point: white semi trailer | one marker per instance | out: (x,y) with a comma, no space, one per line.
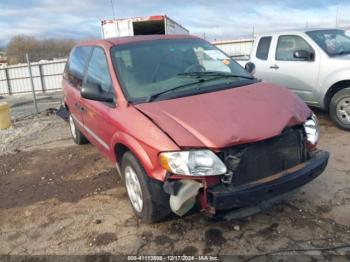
(148,25)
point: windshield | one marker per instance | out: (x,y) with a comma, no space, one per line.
(333,42)
(164,69)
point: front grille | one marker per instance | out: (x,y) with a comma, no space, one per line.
(261,159)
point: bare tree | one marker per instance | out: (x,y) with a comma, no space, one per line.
(46,49)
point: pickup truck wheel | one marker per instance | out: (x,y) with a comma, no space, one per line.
(77,136)
(148,200)
(340,109)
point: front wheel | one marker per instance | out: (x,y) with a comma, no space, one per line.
(340,109)
(148,200)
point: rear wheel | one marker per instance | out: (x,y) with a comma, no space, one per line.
(148,200)
(77,136)
(340,109)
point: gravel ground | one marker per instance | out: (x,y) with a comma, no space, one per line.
(58,198)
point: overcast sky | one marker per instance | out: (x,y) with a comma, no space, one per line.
(217,19)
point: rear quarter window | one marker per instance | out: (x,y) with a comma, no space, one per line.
(75,68)
(262,51)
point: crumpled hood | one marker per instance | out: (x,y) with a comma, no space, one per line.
(229,117)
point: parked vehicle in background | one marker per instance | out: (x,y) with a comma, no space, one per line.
(314,64)
(148,25)
(186,124)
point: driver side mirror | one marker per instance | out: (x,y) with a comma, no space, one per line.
(304,55)
(250,67)
(93,91)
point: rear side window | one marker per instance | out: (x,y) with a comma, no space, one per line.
(262,52)
(98,72)
(74,71)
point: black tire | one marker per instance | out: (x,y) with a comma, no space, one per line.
(77,136)
(155,200)
(337,100)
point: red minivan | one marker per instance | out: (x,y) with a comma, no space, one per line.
(187,126)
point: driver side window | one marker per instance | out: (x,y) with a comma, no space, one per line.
(98,71)
(288,44)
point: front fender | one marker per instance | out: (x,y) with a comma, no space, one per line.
(146,154)
(332,79)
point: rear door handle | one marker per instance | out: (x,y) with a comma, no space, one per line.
(274,67)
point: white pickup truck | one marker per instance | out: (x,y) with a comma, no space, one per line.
(314,64)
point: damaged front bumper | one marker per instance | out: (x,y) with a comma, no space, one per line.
(224,197)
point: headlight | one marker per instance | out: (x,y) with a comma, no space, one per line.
(311,130)
(192,163)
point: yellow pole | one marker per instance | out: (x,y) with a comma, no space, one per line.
(5,119)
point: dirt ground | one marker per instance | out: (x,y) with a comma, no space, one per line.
(58,198)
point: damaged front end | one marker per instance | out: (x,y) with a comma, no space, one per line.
(189,171)
(243,175)
(185,197)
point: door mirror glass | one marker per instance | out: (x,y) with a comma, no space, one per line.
(93,91)
(303,54)
(250,67)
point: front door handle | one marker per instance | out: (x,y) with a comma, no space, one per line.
(274,66)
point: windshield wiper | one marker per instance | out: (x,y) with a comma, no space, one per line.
(199,76)
(155,95)
(342,53)
(213,73)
